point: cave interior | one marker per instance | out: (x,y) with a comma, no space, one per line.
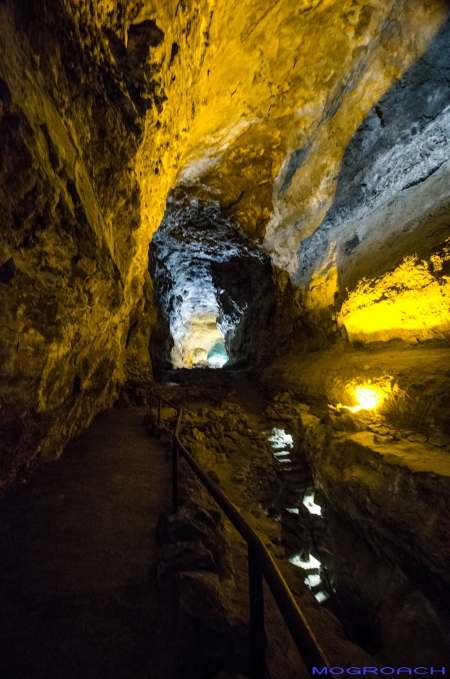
(248,202)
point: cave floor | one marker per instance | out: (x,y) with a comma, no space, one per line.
(378,611)
(78,597)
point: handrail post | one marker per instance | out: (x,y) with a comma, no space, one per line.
(260,566)
(256,600)
(175,473)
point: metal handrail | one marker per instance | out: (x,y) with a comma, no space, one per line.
(186,389)
(161,399)
(260,564)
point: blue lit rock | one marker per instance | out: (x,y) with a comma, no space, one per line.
(108,107)
(213,285)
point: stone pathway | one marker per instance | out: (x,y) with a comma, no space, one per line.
(78,598)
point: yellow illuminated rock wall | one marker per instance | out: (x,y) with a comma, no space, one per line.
(287,77)
(412,303)
(273,121)
(106,105)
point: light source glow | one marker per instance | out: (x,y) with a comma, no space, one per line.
(217,361)
(368,396)
(197,339)
(217,356)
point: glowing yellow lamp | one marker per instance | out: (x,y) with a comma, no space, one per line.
(368,398)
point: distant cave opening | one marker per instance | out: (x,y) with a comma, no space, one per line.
(214,290)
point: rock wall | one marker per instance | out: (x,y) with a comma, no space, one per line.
(392,494)
(105,106)
(390,213)
(213,284)
(334,154)
(416,378)
(70,212)
(83,133)
(381,526)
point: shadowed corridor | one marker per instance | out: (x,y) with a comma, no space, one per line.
(78,591)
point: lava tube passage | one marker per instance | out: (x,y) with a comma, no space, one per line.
(213,288)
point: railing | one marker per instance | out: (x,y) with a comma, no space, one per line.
(260,565)
(188,397)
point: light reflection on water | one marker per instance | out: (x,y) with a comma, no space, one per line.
(307,564)
(282,443)
(310,505)
(280,440)
(313,580)
(322,595)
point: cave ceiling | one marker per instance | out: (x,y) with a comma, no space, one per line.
(319,127)
(308,123)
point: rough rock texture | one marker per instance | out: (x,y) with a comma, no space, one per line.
(379,530)
(182,556)
(213,619)
(280,99)
(80,89)
(401,142)
(394,495)
(105,106)
(381,606)
(417,399)
(354,179)
(390,212)
(213,610)
(65,181)
(401,491)
(213,285)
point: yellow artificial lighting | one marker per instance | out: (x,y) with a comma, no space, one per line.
(368,396)
(411,302)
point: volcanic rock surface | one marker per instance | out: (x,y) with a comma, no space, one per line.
(214,287)
(188,182)
(319,128)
